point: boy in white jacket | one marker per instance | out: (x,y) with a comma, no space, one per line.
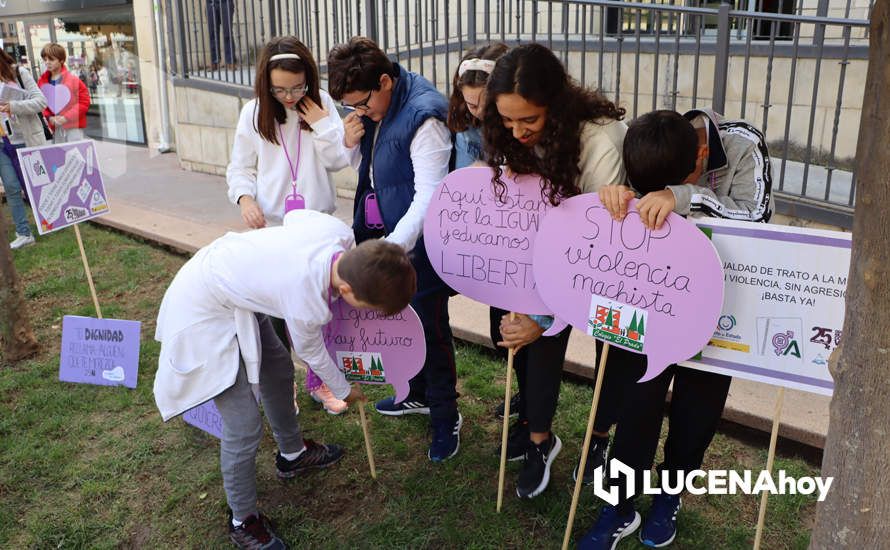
(214,320)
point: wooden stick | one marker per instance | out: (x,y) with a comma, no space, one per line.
(508,390)
(86,268)
(364,419)
(587,437)
(774,435)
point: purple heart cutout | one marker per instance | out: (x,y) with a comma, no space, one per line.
(57,97)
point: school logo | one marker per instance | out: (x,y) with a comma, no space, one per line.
(619,324)
(726,323)
(724,337)
(361,366)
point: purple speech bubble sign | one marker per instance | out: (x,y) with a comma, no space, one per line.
(205,417)
(482,246)
(57,97)
(104,352)
(372,348)
(653,292)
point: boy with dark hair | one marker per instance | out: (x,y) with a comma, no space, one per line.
(398,142)
(217,341)
(697,164)
(70,120)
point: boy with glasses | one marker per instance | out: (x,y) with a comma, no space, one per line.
(398,142)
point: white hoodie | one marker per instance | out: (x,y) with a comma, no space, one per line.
(260,169)
(206,321)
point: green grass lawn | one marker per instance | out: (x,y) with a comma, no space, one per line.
(94,467)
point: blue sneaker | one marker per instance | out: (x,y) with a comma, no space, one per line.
(660,528)
(389,407)
(446,439)
(609,529)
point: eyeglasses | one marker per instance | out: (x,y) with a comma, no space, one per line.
(361,105)
(295,92)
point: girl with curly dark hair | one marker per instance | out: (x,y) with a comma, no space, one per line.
(538,120)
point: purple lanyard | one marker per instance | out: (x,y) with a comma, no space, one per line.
(294,201)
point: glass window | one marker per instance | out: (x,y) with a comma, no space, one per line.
(102,53)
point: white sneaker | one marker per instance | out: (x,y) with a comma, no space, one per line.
(21,241)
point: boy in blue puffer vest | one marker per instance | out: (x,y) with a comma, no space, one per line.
(401,147)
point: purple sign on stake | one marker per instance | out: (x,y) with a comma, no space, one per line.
(64,183)
(480,244)
(372,348)
(653,292)
(104,352)
(205,417)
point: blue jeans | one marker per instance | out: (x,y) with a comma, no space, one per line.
(13,188)
(220,14)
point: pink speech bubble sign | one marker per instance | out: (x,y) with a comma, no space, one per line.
(482,246)
(57,97)
(654,292)
(372,348)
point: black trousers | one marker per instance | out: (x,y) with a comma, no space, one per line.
(623,369)
(696,407)
(538,369)
(436,383)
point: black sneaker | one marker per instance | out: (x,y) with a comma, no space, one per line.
(596,457)
(517,441)
(389,407)
(255,534)
(315,456)
(535,474)
(514,407)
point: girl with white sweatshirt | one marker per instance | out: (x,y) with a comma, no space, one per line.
(288,141)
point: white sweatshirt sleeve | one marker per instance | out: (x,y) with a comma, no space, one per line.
(354,154)
(430,152)
(308,343)
(328,142)
(242,170)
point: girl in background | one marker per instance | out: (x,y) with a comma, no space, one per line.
(465,110)
(288,141)
(468,99)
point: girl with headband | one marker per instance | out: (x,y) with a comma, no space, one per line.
(288,140)
(467,100)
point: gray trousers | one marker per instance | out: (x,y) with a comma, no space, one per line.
(243,424)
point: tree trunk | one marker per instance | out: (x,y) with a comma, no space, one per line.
(16,338)
(856,512)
